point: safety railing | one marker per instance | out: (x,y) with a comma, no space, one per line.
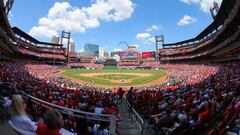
(135,116)
(75,113)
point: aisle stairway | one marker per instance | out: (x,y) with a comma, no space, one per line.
(125,127)
(5,129)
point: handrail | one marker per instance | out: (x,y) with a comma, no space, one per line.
(134,113)
(60,107)
(86,115)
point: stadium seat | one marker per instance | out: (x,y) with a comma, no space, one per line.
(213,132)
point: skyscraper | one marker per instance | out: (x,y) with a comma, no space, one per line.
(91,50)
(103,53)
(72,47)
(55,40)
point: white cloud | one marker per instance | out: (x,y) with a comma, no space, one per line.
(123,9)
(117,50)
(81,50)
(63,16)
(142,36)
(186,20)
(156,27)
(136,45)
(146,37)
(151,40)
(10,15)
(205,5)
(153,27)
(190,1)
(42,32)
(65,41)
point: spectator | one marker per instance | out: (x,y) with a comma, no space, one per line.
(101,129)
(53,122)
(20,119)
(82,127)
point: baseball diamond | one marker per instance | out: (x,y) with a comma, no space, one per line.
(116,78)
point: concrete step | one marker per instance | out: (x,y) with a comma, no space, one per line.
(125,127)
(5,129)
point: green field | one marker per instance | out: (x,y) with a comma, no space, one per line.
(110,67)
(114,77)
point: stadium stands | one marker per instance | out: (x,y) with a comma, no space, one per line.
(205,94)
(150,64)
(198,94)
(47,86)
(27,45)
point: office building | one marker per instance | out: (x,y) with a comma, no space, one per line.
(71,47)
(91,50)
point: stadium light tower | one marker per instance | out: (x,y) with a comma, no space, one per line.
(158,39)
(66,35)
(214,9)
(8,5)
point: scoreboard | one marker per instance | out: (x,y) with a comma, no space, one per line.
(148,55)
(129,55)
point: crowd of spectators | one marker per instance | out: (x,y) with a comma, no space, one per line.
(151,64)
(126,67)
(87,65)
(186,49)
(42,55)
(206,92)
(52,50)
(25,44)
(42,82)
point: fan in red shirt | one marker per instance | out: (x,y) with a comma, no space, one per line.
(120,92)
(206,115)
(53,122)
(44,130)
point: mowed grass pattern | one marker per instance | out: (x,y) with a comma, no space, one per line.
(136,80)
(116,76)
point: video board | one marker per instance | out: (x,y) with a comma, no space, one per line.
(129,55)
(147,55)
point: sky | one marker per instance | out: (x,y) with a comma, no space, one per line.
(108,22)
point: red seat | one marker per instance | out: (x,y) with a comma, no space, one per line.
(223,131)
(233,118)
(221,125)
(213,132)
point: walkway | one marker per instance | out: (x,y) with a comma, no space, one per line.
(5,129)
(125,127)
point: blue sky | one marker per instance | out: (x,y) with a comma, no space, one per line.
(108,22)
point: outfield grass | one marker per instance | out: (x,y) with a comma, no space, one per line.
(110,67)
(105,79)
(116,76)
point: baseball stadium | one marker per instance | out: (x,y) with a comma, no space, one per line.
(189,86)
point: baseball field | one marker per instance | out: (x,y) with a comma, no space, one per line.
(116,78)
